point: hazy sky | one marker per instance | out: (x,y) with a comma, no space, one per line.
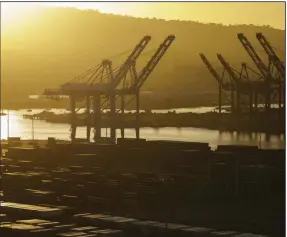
(257,13)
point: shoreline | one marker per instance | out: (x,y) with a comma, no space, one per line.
(260,123)
(146,104)
(127,109)
(43,143)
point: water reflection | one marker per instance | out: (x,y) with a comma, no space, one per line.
(20,127)
(257,139)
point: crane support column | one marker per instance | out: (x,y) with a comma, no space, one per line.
(73,118)
(122,117)
(219,98)
(137,114)
(268,95)
(113,117)
(238,101)
(280,94)
(88,102)
(255,101)
(267,102)
(97,116)
(283,94)
(251,101)
(232,100)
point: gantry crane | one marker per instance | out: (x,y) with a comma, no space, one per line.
(118,77)
(96,87)
(142,76)
(271,84)
(273,58)
(221,84)
(241,87)
(138,79)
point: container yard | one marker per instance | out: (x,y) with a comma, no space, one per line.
(142,188)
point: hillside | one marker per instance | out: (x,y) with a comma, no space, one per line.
(57,44)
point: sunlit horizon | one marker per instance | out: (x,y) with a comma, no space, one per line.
(205,12)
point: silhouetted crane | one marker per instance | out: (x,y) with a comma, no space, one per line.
(211,69)
(104,81)
(147,70)
(221,85)
(272,84)
(271,54)
(92,84)
(253,54)
(229,70)
(130,61)
(241,86)
(140,79)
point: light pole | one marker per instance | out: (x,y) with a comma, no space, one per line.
(8,119)
(32,128)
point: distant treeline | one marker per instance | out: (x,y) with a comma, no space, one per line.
(57,44)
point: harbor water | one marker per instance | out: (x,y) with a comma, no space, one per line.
(13,125)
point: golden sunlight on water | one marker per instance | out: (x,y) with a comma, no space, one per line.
(40,130)
(10,125)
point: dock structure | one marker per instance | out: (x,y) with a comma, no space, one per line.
(101,86)
(248,88)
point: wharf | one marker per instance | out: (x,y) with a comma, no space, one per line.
(259,122)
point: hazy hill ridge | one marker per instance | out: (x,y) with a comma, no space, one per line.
(57,44)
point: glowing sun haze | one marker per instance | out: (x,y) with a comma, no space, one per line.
(12,11)
(257,13)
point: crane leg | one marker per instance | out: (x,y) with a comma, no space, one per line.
(97,116)
(238,101)
(280,95)
(123,112)
(137,115)
(88,118)
(251,102)
(267,101)
(73,118)
(113,119)
(219,98)
(232,101)
(255,101)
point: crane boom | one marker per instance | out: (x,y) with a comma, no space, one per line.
(144,74)
(228,68)
(211,69)
(252,53)
(271,53)
(130,60)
